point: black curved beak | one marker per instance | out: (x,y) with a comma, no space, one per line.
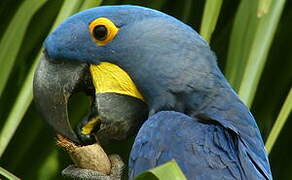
(55,81)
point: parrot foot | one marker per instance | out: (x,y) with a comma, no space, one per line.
(116,173)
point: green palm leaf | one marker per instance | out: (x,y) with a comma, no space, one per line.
(167,171)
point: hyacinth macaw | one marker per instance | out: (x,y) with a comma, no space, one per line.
(148,72)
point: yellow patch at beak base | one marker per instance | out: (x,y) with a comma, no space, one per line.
(109,77)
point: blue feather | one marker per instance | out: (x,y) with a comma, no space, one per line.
(202,150)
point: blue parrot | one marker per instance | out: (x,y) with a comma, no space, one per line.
(194,116)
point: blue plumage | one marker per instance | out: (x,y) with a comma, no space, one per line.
(202,150)
(202,147)
(195,116)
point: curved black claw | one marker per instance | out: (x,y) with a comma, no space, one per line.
(118,166)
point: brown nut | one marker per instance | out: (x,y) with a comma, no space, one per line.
(86,157)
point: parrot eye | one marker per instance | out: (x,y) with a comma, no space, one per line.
(103,30)
(100,32)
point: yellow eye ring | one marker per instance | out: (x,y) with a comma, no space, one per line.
(103,30)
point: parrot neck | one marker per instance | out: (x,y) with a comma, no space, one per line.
(217,101)
(222,105)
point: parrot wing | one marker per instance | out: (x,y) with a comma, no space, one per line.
(202,150)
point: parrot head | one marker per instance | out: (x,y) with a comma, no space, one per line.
(133,62)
